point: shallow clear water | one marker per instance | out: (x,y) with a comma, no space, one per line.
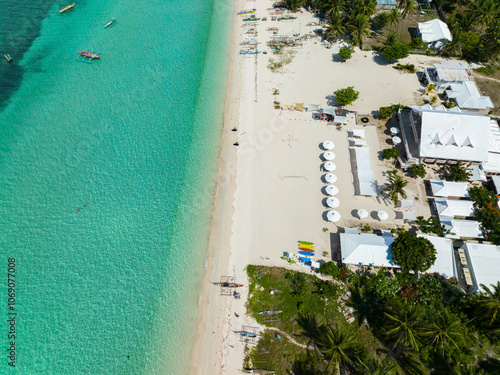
(111,288)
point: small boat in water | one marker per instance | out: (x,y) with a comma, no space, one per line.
(8,58)
(246,11)
(88,56)
(109,23)
(66,8)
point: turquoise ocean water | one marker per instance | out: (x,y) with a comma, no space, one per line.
(111,288)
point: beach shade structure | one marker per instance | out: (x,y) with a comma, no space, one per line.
(299,107)
(394,130)
(332,190)
(362,213)
(329,155)
(333,216)
(396,140)
(329,166)
(382,215)
(328,145)
(330,178)
(332,202)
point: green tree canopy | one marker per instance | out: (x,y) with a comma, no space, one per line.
(399,50)
(346,96)
(345,53)
(482,196)
(459,171)
(413,253)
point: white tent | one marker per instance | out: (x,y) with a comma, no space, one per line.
(449,189)
(330,178)
(463,228)
(406,203)
(328,110)
(331,190)
(312,107)
(382,215)
(364,172)
(449,208)
(360,142)
(362,213)
(410,215)
(328,145)
(359,133)
(329,155)
(332,202)
(333,216)
(329,166)
(366,249)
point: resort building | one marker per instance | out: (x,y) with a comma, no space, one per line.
(434,32)
(448,209)
(442,74)
(386,4)
(444,136)
(492,166)
(466,95)
(479,264)
(441,188)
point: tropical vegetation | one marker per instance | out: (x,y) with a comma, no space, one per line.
(346,96)
(394,188)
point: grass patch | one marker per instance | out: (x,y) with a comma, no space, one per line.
(283,58)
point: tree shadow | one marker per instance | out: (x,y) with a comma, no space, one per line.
(309,324)
(330,100)
(380,59)
(366,306)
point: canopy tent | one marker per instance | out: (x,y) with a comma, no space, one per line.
(331,190)
(333,216)
(382,215)
(364,172)
(359,133)
(329,166)
(328,155)
(330,178)
(362,213)
(328,145)
(312,107)
(449,208)
(340,119)
(449,189)
(410,215)
(299,107)
(366,249)
(463,228)
(351,230)
(406,203)
(359,142)
(332,202)
(328,110)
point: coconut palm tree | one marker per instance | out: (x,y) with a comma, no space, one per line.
(402,325)
(444,331)
(394,187)
(491,40)
(335,27)
(489,304)
(407,6)
(455,46)
(360,26)
(335,344)
(394,17)
(336,6)
(389,41)
(366,7)
(375,366)
(485,11)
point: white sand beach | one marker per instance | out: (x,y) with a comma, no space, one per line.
(271,192)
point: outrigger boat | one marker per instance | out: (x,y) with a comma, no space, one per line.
(249,51)
(246,11)
(251,19)
(66,8)
(285,18)
(88,56)
(251,42)
(231,285)
(246,334)
(110,23)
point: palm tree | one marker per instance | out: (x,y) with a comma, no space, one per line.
(366,7)
(394,187)
(316,5)
(335,27)
(489,304)
(403,324)
(444,331)
(486,11)
(375,366)
(335,345)
(455,46)
(389,41)
(360,26)
(336,6)
(394,17)
(407,6)
(491,40)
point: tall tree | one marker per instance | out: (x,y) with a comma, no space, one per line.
(407,7)
(335,345)
(390,41)
(394,187)
(336,6)
(444,332)
(485,11)
(394,17)
(360,27)
(411,252)
(402,324)
(366,7)
(491,40)
(489,304)
(335,27)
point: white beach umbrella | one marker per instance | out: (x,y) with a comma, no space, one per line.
(330,178)
(362,213)
(328,145)
(331,190)
(396,140)
(333,216)
(329,155)
(382,215)
(394,130)
(329,166)
(332,202)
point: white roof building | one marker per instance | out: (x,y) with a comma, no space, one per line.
(366,249)
(466,95)
(449,189)
(463,228)
(453,134)
(493,163)
(434,32)
(445,260)
(484,263)
(449,208)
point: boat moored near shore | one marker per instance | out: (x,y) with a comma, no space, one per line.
(66,8)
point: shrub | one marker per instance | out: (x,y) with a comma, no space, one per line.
(393,230)
(482,196)
(417,43)
(345,53)
(386,112)
(410,68)
(418,170)
(346,96)
(399,51)
(459,172)
(390,153)
(367,228)
(330,269)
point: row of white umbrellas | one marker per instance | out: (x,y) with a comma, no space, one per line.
(382,215)
(332,202)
